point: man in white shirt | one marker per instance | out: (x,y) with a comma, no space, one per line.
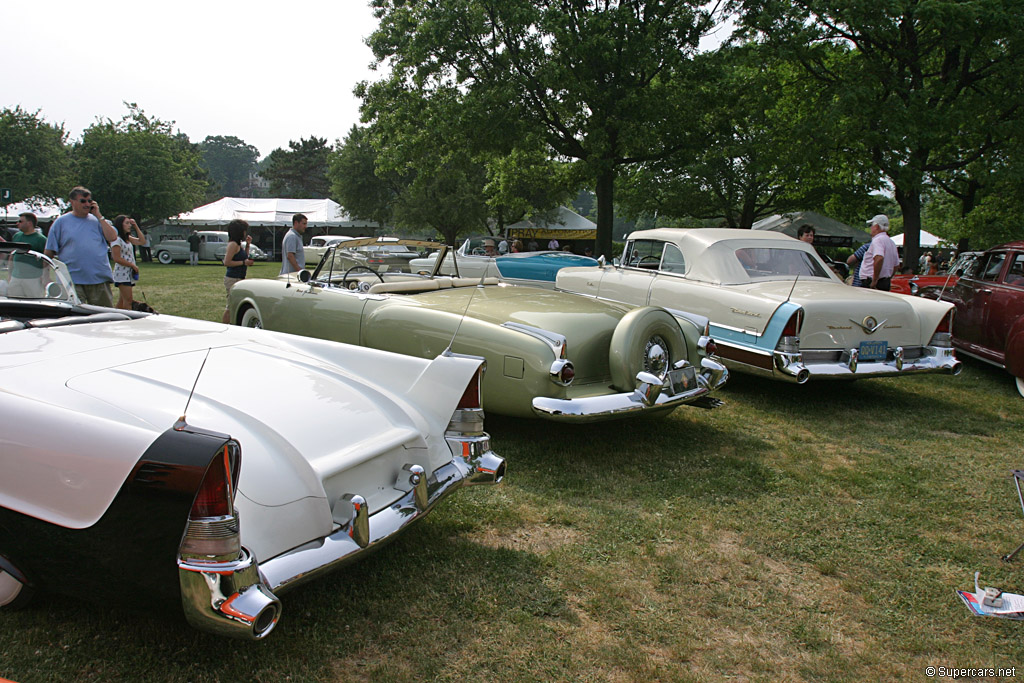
(881,259)
(293,254)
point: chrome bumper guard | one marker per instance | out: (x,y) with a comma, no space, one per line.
(238,598)
(651,393)
(847,364)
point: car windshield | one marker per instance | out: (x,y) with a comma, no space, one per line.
(27,274)
(767,263)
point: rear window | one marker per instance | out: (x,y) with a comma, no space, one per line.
(768,263)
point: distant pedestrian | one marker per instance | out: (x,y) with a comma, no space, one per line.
(532,246)
(193,248)
(806,233)
(236,259)
(881,259)
(854,262)
(80,238)
(293,255)
(553,244)
(144,249)
(27,272)
(503,246)
(126,272)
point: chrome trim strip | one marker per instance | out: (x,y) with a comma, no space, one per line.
(553,339)
(612,406)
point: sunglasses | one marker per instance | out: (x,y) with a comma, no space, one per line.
(85,200)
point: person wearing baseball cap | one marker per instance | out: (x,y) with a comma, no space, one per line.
(881,259)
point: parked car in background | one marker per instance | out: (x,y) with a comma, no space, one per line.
(535,268)
(213,245)
(549,354)
(916,285)
(989,300)
(318,245)
(775,307)
(144,462)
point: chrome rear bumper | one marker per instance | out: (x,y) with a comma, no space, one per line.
(648,396)
(238,598)
(801,367)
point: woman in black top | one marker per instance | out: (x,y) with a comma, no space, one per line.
(236,260)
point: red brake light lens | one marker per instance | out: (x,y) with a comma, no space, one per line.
(795,323)
(216,492)
(946,324)
(471,396)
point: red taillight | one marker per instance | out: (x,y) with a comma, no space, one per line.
(946,324)
(795,323)
(471,396)
(567,374)
(565,350)
(215,493)
(711,348)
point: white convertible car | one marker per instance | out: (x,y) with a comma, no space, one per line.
(144,461)
(775,308)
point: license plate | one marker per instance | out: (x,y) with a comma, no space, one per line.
(682,379)
(873,350)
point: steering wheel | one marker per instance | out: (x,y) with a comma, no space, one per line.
(478,251)
(655,259)
(344,280)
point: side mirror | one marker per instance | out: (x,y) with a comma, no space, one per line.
(54,291)
(304,275)
(600,260)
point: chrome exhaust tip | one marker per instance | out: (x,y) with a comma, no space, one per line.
(803,376)
(486,468)
(956,368)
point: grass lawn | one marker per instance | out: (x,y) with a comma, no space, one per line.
(812,533)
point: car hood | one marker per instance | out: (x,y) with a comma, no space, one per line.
(94,397)
(835,314)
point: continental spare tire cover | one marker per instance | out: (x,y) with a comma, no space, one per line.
(647,339)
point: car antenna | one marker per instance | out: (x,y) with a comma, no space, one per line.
(790,295)
(480,285)
(180,424)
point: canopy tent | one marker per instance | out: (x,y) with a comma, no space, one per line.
(926,239)
(828,232)
(568,225)
(322,213)
(45,212)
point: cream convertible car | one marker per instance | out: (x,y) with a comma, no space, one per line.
(549,354)
(775,308)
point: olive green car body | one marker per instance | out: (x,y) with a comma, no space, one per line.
(524,334)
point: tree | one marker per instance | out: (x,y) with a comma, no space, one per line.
(926,86)
(352,170)
(34,162)
(139,166)
(760,112)
(603,82)
(230,161)
(300,171)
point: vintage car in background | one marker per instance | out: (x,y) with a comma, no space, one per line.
(549,354)
(917,285)
(534,268)
(144,462)
(318,245)
(989,300)
(213,245)
(775,308)
(383,254)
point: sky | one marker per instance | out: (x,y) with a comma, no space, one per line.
(265,72)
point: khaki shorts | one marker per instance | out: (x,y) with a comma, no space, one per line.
(97,295)
(28,288)
(229,282)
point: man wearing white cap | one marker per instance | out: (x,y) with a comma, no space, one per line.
(881,259)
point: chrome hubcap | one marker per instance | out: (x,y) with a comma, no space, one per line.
(656,359)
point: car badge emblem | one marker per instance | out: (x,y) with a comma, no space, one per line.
(869,324)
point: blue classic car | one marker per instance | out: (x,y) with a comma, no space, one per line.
(534,268)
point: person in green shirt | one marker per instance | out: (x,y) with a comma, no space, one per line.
(26,273)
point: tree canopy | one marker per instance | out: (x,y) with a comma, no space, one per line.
(140,166)
(229,161)
(604,84)
(300,171)
(34,162)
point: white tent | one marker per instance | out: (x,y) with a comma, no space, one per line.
(45,211)
(322,213)
(926,239)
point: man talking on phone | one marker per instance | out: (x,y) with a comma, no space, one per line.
(80,239)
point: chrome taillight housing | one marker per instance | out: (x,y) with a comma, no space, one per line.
(468,417)
(943,335)
(789,342)
(212,534)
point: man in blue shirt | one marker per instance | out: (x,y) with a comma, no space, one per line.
(80,239)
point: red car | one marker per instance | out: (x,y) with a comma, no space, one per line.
(917,285)
(989,320)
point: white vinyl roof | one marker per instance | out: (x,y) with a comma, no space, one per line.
(268,212)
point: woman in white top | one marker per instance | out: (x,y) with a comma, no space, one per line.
(123,252)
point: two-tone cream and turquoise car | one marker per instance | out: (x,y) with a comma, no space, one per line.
(549,354)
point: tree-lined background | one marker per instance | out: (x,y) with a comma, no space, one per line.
(490,111)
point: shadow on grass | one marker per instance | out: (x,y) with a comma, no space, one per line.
(417,601)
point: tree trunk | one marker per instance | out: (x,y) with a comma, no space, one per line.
(910,203)
(605,192)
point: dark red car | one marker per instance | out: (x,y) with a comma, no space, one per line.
(989,320)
